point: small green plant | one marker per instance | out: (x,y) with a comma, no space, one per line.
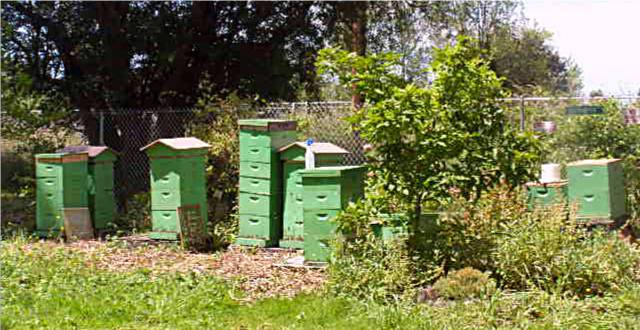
(137,216)
(465,283)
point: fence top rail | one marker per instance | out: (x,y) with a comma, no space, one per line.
(571,98)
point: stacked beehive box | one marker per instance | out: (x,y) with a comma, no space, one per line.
(597,187)
(260,200)
(99,183)
(61,182)
(326,191)
(292,156)
(178,187)
(546,194)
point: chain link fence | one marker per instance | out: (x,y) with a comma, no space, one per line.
(128,130)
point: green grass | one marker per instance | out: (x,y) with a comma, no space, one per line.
(60,289)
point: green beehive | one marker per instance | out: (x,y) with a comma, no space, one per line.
(326,191)
(292,156)
(260,200)
(99,183)
(546,194)
(597,187)
(178,188)
(61,182)
(393,226)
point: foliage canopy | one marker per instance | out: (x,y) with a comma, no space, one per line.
(447,135)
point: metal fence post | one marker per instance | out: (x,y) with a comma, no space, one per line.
(101,128)
(522,114)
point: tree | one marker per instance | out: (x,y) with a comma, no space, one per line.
(529,65)
(517,52)
(431,139)
(110,55)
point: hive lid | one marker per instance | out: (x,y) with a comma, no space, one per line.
(50,155)
(593,162)
(267,124)
(185,143)
(63,157)
(93,151)
(317,148)
(328,171)
(547,184)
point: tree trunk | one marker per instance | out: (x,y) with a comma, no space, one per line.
(358,41)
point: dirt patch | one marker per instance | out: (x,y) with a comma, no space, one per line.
(257,272)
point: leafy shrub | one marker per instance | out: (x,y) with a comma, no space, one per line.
(430,139)
(548,250)
(466,235)
(137,216)
(217,124)
(543,249)
(365,267)
(465,283)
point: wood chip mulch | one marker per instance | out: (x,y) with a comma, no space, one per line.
(259,273)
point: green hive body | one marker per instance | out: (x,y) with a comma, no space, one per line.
(178,187)
(260,200)
(292,156)
(597,187)
(99,183)
(546,194)
(61,181)
(326,191)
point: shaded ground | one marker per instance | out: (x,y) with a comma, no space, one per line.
(257,272)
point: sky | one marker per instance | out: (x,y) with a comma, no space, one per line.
(602,37)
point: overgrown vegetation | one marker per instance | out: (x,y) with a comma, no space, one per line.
(217,124)
(57,288)
(465,283)
(522,250)
(428,140)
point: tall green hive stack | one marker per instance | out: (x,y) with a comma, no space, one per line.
(260,200)
(61,182)
(326,191)
(178,187)
(99,183)
(597,187)
(292,157)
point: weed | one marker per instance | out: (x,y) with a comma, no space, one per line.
(465,283)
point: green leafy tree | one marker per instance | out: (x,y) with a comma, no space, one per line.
(530,65)
(430,140)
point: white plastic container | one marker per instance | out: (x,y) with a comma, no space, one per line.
(550,173)
(309,156)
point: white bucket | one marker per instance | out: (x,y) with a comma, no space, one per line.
(550,173)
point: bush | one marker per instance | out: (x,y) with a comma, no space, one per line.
(137,215)
(365,267)
(465,283)
(466,235)
(543,249)
(551,252)
(432,138)
(217,124)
